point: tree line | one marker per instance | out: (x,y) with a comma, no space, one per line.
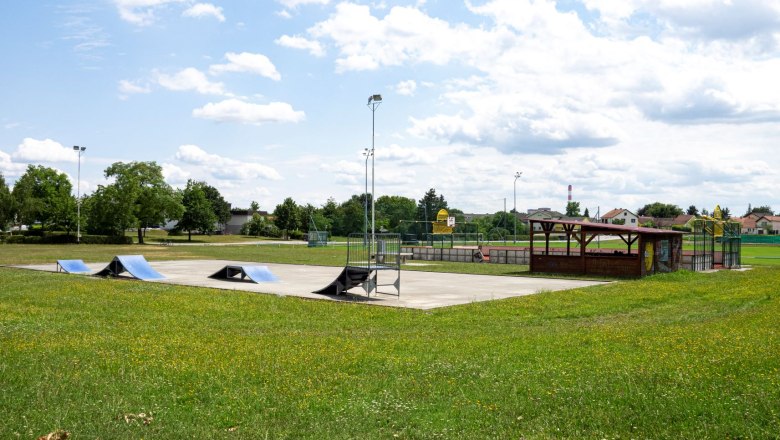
(140,198)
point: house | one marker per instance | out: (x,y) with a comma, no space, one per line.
(768,224)
(620,216)
(542,214)
(238,217)
(748,223)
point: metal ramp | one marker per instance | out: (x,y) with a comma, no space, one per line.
(135,265)
(367,256)
(350,277)
(72,266)
(255,274)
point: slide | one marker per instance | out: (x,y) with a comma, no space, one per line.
(135,265)
(72,266)
(256,274)
(350,277)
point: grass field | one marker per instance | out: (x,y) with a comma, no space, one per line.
(681,355)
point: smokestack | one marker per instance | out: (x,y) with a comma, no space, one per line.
(570,193)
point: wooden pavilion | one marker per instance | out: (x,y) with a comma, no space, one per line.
(644,251)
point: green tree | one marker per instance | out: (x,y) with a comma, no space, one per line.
(254,206)
(392,210)
(660,210)
(43,195)
(428,207)
(219,205)
(198,213)
(349,216)
(586,214)
(144,196)
(692,210)
(287,216)
(765,210)
(105,213)
(7,204)
(725,213)
(573,209)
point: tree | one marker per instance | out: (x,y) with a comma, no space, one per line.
(6,204)
(349,216)
(586,214)
(573,209)
(764,210)
(219,205)
(105,212)
(198,213)
(725,213)
(692,210)
(660,210)
(287,216)
(391,211)
(254,206)
(43,195)
(145,198)
(428,207)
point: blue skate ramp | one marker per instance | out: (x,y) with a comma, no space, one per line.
(256,274)
(135,265)
(72,266)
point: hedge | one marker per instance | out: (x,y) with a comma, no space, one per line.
(66,239)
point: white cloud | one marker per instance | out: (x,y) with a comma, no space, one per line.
(47,150)
(225,168)
(234,110)
(8,168)
(247,62)
(406,155)
(292,4)
(406,88)
(200,10)
(174,175)
(298,42)
(141,12)
(130,87)
(190,79)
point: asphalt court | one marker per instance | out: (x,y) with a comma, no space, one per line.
(419,290)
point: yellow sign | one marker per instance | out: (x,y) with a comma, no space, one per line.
(440,226)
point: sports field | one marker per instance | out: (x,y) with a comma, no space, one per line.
(682,355)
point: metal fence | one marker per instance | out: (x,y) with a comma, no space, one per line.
(703,245)
(382,254)
(731,243)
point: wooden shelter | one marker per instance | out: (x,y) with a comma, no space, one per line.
(644,251)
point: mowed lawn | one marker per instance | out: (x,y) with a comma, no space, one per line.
(682,355)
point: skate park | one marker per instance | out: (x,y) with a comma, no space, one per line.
(419,290)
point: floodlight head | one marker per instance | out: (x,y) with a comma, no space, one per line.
(374,98)
(518,174)
(75,148)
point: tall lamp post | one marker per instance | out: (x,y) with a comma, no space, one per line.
(78,195)
(367,153)
(373,103)
(517,176)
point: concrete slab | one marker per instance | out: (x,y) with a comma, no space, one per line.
(419,290)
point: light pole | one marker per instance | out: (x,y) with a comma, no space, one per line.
(517,176)
(78,195)
(373,103)
(367,153)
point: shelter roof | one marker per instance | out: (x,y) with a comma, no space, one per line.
(608,228)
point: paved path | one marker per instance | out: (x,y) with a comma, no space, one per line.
(419,290)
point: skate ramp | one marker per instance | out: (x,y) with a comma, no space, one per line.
(72,266)
(350,277)
(135,265)
(256,274)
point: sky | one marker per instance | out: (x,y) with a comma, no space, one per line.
(629,101)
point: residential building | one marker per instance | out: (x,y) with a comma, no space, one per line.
(620,216)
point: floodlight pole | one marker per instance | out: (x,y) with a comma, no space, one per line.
(517,176)
(373,103)
(78,195)
(367,153)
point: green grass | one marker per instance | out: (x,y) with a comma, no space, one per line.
(675,356)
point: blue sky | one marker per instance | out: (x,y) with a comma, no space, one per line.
(629,101)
